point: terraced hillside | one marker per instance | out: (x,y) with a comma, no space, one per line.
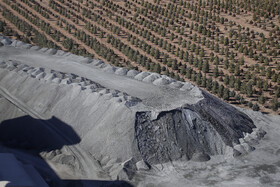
(230,48)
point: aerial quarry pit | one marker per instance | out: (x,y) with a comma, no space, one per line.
(78,121)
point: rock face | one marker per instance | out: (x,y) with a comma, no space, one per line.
(118,114)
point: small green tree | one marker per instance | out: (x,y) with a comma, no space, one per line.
(226,94)
(261,99)
(157,68)
(274,104)
(205,66)
(216,72)
(256,107)
(249,89)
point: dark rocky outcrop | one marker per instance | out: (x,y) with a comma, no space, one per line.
(207,127)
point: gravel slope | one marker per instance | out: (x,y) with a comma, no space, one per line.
(89,120)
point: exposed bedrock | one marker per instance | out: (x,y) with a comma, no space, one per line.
(208,127)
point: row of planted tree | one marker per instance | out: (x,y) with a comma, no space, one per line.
(198,41)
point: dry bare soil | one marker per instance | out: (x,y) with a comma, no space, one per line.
(229,49)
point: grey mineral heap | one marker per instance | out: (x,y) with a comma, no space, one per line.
(121,116)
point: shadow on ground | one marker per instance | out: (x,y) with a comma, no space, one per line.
(33,136)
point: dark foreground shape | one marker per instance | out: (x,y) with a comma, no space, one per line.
(36,134)
(33,136)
